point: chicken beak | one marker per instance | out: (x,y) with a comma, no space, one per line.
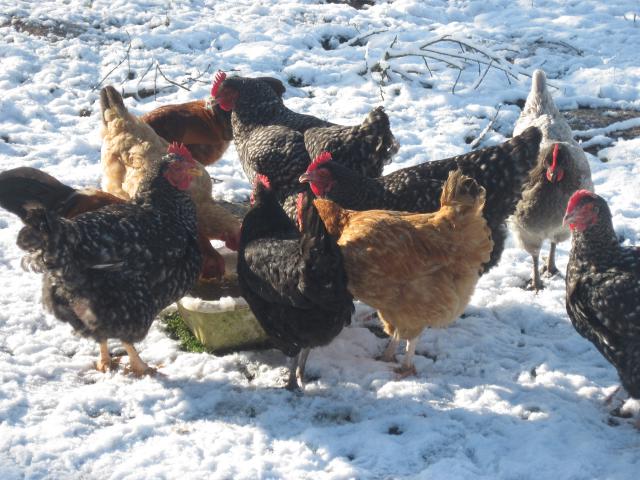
(306,177)
(195,172)
(569,218)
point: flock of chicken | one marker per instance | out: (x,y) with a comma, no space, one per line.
(325,226)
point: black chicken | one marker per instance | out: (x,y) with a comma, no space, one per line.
(603,287)
(109,272)
(276,142)
(501,170)
(294,282)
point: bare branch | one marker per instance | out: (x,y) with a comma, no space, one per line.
(453,89)
(486,129)
(357,40)
(179,85)
(479,81)
(424,59)
(125,58)
(452,51)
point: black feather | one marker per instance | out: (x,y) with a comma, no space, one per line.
(25,187)
(294,282)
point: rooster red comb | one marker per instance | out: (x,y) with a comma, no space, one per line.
(264,180)
(323,157)
(180,150)
(577,197)
(217,81)
(554,165)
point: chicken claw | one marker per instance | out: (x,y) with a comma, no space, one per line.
(295,383)
(212,267)
(389,354)
(404,371)
(408,368)
(106,362)
(136,365)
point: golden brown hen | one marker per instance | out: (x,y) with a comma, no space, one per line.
(130,147)
(417,270)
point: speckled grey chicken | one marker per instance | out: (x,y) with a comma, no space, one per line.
(539,213)
(294,282)
(603,287)
(276,142)
(562,169)
(110,271)
(501,170)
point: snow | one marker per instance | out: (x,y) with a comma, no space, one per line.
(510,391)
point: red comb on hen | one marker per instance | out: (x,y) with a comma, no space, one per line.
(264,180)
(577,197)
(180,150)
(322,157)
(217,81)
(554,164)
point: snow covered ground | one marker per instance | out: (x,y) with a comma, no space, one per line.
(511,391)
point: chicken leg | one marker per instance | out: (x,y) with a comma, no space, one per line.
(535,283)
(408,368)
(136,365)
(105,362)
(296,371)
(550,268)
(389,354)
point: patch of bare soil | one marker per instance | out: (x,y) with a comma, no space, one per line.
(590,118)
(357,4)
(49,28)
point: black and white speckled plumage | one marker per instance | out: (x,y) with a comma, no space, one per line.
(275,141)
(294,283)
(501,170)
(603,295)
(110,271)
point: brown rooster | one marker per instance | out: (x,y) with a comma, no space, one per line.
(417,270)
(130,147)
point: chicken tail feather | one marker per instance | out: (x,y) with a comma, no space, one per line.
(462,191)
(22,188)
(377,123)
(111,99)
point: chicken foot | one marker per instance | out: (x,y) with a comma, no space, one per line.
(550,268)
(535,283)
(296,371)
(136,365)
(407,368)
(389,354)
(105,362)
